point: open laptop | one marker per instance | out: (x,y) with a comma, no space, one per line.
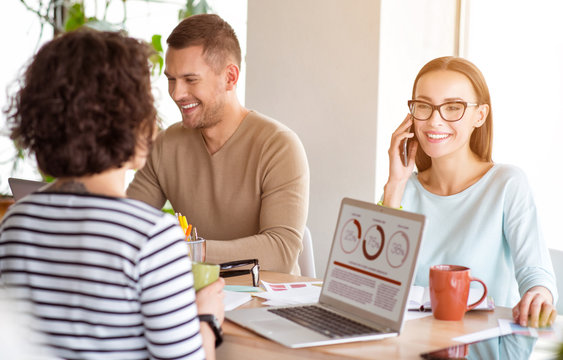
(367,282)
(22,187)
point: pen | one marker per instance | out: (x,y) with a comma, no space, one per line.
(178,216)
(183,222)
(189,231)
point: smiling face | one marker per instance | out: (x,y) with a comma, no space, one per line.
(437,137)
(195,87)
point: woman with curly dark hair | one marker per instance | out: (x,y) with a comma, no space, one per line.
(107,277)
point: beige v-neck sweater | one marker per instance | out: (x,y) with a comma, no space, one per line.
(249,200)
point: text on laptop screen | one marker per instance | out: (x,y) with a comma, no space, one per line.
(371,261)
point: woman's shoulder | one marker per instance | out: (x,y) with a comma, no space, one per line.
(507,172)
(129,212)
(152,222)
(508,179)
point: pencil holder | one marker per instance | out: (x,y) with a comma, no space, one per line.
(196,249)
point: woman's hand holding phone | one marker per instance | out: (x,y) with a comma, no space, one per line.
(403,150)
(399,171)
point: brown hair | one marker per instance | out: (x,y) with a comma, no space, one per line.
(481,142)
(85,103)
(217,37)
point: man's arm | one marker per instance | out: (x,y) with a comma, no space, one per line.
(145,186)
(283,213)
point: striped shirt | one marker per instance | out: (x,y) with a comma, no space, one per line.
(106,277)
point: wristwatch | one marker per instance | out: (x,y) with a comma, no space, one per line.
(214,324)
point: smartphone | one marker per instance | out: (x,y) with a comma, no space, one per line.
(405,151)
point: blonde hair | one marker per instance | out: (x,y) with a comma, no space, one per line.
(481,142)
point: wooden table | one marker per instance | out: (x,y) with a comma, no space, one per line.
(418,336)
(5,203)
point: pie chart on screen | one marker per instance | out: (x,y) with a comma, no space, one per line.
(374,239)
(398,249)
(350,236)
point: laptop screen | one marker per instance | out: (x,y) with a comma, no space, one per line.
(21,187)
(372,261)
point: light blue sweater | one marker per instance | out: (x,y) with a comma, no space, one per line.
(491,227)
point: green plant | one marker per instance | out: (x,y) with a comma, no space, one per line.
(192,8)
(67,15)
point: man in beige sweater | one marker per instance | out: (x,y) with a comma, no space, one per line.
(240,177)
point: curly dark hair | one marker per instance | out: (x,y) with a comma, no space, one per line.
(85,103)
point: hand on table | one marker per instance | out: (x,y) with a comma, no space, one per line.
(535,309)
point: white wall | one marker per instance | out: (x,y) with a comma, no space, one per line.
(412,33)
(313,65)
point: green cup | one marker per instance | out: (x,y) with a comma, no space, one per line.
(204,274)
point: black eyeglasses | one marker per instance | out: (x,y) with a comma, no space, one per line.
(449,111)
(254,270)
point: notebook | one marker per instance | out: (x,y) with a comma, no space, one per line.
(22,187)
(367,281)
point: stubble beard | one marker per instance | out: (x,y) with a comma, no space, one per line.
(209,118)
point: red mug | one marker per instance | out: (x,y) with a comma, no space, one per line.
(449,289)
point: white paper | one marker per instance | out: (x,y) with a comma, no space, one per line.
(234,299)
(508,326)
(480,335)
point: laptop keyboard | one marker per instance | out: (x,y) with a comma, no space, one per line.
(323,321)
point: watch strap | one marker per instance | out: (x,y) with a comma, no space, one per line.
(214,325)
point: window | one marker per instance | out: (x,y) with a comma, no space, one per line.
(519,48)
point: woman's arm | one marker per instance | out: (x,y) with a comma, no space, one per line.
(166,295)
(209,300)
(532,263)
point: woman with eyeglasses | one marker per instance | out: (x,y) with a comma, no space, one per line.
(480,214)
